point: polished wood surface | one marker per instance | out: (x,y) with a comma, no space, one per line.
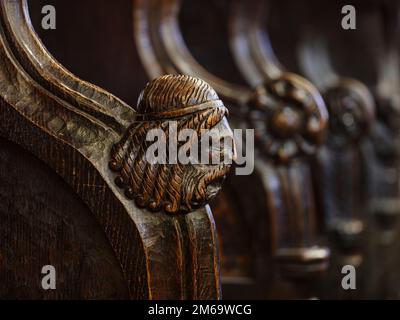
(323,102)
(71,126)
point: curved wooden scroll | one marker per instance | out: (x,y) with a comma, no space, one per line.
(250,43)
(256,60)
(72,126)
(350,106)
(351,116)
(162,49)
(352,111)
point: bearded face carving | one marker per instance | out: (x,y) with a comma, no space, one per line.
(174,187)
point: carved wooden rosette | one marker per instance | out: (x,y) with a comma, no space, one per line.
(71,125)
(290,118)
(351,111)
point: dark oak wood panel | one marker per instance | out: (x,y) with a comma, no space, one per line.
(45,223)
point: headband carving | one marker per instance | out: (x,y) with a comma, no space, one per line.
(179,113)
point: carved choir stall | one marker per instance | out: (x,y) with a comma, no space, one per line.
(318,189)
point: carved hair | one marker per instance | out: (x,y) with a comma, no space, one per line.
(172,187)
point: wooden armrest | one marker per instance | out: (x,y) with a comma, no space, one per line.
(295,216)
(351,110)
(154,218)
(349,103)
(283,135)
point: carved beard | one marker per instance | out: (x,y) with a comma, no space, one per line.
(201,184)
(172,187)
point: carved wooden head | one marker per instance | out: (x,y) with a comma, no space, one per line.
(351,111)
(191,104)
(289,119)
